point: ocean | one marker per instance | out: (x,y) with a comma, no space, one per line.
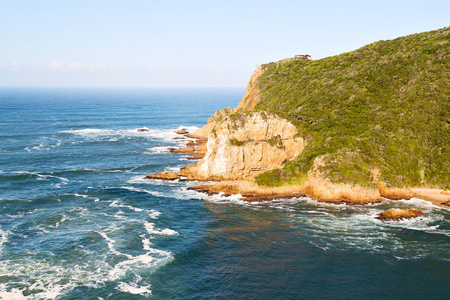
(78,221)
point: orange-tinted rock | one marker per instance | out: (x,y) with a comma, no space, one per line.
(182,131)
(250,191)
(182,150)
(446,193)
(251,96)
(245,145)
(166,175)
(394,193)
(399,214)
(142,130)
(324,191)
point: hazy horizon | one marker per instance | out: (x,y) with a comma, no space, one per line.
(198,44)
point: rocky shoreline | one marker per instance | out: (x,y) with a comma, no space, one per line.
(316,188)
(238,144)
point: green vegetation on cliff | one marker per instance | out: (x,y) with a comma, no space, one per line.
(385,106)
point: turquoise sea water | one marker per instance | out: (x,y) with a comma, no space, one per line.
(78,221)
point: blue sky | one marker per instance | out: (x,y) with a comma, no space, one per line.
(188,43)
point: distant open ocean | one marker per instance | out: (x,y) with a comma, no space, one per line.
(78,221)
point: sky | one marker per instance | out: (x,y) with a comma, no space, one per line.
(170,43)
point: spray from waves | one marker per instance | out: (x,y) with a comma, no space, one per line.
(49,279)
(38,175)
(115,203)
(157,150)
(102,134)
(3,238)
(150,227)
(45,146)
(339,226)
(133,288)
(134,189)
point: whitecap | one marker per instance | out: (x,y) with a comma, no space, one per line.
(115,203)
(13,294)
(154,214)
(133,288)
(131,188)
(150,227)
(157,150)
(3,238)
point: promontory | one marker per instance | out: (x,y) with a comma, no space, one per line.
(351,128)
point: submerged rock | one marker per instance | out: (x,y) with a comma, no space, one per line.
(399,214)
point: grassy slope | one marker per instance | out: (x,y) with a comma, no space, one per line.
(384,106)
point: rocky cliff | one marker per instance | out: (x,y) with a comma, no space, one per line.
(251,96)
(383,107)
(243,145)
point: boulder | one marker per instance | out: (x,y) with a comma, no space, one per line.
(399,214)
(166,175)
(182,131)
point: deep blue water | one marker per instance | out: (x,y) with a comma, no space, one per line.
(78,221)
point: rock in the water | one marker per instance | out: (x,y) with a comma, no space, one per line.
(166,175)
(143,129)
(399,214)
(182,131)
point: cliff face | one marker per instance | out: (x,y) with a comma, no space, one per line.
(244,145)
(251,96)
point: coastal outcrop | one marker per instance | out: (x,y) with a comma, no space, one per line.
(342,137)
(166,175)
(399,214)
(250,191)
(245,144)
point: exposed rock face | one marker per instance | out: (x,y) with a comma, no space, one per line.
(251,96)
(244,145)
(394,193)
(218,116)
(399,214)
(250,191)
(324,191)
(166,175)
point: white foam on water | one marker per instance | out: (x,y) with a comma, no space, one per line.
(167,134)
(87,197)
(157,150)
(139,179)
(150,227)
(45,279)
(3,238)
(133,288)
(115,203)
(154,214)
(173,169)
(186,194)
(45,177)
(134,189)
(45,147)
(63,219)
(111,247)
(420,203)
(13,294)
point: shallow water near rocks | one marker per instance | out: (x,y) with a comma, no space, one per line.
(78,221)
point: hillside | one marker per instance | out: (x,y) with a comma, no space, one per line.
(382,110)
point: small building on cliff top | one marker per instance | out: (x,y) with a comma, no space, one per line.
(303,56)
